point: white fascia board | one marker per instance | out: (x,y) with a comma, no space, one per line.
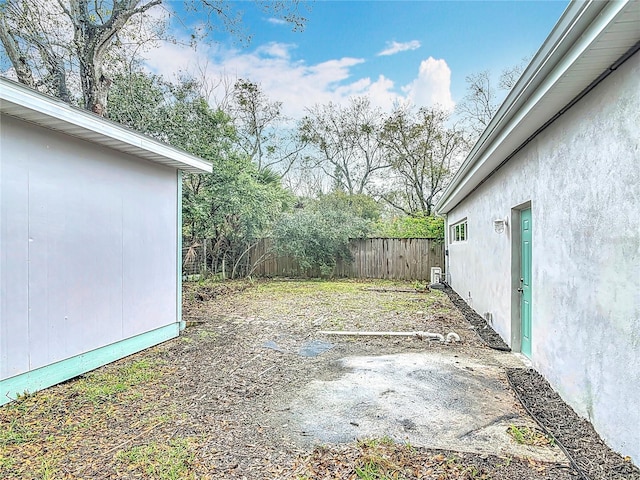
(21,102)
(579,26)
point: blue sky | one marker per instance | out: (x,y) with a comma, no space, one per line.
(389,50)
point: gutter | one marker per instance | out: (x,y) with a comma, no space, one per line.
(576,99)
(577,28)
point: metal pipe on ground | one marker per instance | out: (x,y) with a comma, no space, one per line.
(452,336)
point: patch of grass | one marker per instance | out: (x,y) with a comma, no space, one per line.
(373,471)
(48,469)
(404,306)
(304,287)
(100,385)
(207,335)
(6,462)
(374,442)
(529,436)
(382,459)
(377,459)
(161,461)
(15,432)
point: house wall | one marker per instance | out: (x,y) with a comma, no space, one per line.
(88,247)
(582,177)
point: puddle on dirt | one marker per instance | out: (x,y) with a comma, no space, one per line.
(433,400)
(314,348)
(271,345)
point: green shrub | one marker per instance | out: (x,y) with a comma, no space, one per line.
(410,227)
(318,237)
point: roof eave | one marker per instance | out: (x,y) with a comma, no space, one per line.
(577,28)
(19,101)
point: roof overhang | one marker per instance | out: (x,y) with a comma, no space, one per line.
(590,40)
(24,103)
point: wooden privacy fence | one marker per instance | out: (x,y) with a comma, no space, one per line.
(391,258)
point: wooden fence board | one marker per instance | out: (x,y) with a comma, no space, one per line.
(390,258)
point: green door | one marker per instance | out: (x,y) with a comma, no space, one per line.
(525,281)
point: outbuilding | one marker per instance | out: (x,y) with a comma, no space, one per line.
(543,230)
(90,240)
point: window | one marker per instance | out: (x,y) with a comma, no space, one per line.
(459,232)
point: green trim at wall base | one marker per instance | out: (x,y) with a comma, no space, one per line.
(55,373)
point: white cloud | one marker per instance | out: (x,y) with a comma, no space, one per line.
(274,49)
(277,21)
(397,47)
(297,84)
(433,85)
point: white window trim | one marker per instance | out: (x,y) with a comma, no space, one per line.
(459,231)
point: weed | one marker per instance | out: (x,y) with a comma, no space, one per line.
(374,442)
(371,471)
(48,469)
(21,397)
(529,436)
(160,461)
(15,433)
(419,286)
(207,334)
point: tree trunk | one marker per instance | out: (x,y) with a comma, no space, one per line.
(92,43)
(17,58)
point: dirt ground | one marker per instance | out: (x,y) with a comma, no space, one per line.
(206,405)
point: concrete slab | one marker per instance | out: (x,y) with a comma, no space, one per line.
(436,400)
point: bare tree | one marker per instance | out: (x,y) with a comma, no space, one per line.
(423,151)
(480,103)
(260,124)
(47,41)
(346,142)
(482,99)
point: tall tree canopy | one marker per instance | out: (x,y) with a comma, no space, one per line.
(261,129)
(69,47)
(345,142)
(423,151)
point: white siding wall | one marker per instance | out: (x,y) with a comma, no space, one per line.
(582,176)
(88,247)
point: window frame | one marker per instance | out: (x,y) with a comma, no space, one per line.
(459,231)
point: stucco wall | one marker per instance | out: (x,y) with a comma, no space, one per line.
(89,242)
(582,177)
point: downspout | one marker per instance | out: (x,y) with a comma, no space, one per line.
(447,275)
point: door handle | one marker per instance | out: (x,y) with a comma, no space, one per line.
(521,290)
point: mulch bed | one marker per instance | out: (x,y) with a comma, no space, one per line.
(375,459)
(482,328)
(590,456)
(574,434)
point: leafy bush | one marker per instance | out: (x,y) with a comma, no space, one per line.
(318,237)
(410,227)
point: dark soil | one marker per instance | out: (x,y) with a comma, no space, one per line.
(580,441)
(482,328)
